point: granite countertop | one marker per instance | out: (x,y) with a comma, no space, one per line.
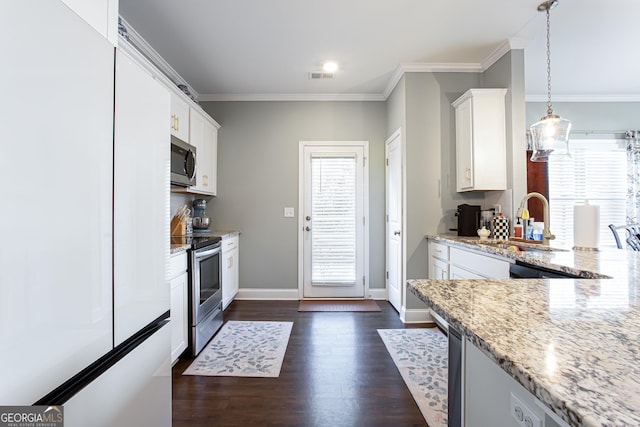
(573,343)
(225,234)
(176,248)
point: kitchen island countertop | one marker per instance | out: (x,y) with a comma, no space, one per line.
(573,343)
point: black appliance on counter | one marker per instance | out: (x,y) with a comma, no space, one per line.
(468,219)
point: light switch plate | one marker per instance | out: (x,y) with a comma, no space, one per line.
(289,212)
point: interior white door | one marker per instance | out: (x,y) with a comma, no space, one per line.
(333,220)
(394,231)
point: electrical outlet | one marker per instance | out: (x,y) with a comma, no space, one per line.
(289,212)
(523,415)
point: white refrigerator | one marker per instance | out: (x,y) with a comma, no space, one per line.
(84,181)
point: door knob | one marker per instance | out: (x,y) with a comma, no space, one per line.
(396,233)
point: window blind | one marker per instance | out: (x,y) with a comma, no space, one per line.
(596,171)
(333,207)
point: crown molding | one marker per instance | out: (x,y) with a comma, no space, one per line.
(291,97)
(584,98)
(135,39)
(510,44)
(427,67)
(149,54)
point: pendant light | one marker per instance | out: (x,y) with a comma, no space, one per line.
(551,133)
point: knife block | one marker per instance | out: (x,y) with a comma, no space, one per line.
(177,228)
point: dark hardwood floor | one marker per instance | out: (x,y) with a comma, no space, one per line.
(336,372)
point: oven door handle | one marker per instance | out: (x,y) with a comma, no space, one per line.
(207,253)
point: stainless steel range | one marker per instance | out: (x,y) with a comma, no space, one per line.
(205,291)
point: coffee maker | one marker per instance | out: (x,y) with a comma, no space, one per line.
(468,219)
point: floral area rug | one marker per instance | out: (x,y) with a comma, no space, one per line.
(421,356)
(244,349)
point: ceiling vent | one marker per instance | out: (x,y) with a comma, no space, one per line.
(320,75)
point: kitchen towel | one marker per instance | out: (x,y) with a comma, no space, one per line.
(586,226)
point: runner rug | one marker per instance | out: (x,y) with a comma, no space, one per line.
(244,349)
(421,356)
(338,305)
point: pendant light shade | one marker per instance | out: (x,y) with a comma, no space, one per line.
(550,135)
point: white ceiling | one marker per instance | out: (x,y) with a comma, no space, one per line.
(259,49)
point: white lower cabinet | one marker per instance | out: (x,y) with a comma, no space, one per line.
(230,258)
(438,261)
(179,320)
(457,273)
(453,262)
(438,269)
(493,398)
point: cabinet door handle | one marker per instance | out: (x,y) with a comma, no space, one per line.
(468,174)
(177,123)
(229,262)
(307,228)
(396,233)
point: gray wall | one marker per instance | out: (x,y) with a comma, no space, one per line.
(590,116)
(258,166)
(421,106)
(258,177)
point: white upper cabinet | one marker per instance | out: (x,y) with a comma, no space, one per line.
(481,158)
(211,136)
(102,15)
(179,117)
(203,134)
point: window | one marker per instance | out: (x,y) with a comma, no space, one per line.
(596,171)
(333,209)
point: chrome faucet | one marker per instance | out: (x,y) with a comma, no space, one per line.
(546,233)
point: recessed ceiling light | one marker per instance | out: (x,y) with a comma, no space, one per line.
(330,67)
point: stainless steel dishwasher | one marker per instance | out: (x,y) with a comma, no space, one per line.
(454,392)
(521,270)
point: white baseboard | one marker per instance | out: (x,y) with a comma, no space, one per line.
(267,294)
(378,294)
(415,315)
(291,294)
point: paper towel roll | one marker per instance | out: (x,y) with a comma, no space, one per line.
(586,226)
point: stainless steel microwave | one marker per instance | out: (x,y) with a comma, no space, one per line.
(183,163)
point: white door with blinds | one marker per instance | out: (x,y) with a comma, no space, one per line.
(333,219)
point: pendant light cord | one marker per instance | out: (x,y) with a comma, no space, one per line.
(549,108)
